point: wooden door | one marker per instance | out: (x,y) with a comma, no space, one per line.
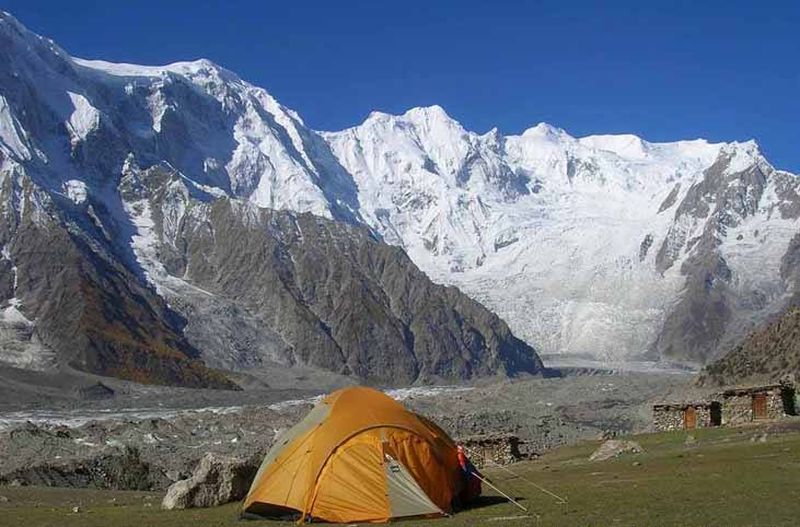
(690,418)
(760,406)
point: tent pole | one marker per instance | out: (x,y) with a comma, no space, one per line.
(561,500)
(506,496)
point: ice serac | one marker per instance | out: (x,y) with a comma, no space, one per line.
(607,246)
(162,223)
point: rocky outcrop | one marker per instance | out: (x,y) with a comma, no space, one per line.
(769,354)
(497,449)
(713,311)
(135,453)
(111,468)
(83,303)
(615,448)
(216,480)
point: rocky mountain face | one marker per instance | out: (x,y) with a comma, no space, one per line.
(769,354)
(603,246)
(163,224)
(330,294)
(69,299)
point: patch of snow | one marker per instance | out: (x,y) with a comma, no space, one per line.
(82,441)
(742,156)
(84,117)
(122,69)
(145,242)
(12,314)
(283,405)
(401,394)
(75,190)
(13,139)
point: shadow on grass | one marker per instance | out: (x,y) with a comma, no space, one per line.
(486,501)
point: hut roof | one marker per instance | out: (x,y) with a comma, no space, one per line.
(749,390)
(682,405)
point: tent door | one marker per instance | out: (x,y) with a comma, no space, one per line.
(406,498)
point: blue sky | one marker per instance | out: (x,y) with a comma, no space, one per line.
(663,70)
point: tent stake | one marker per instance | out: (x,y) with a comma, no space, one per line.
(506,496)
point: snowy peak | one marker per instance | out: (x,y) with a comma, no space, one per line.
(202,68)
(583,244)
(547,132)
(204,121)
(13,32)
(626,146)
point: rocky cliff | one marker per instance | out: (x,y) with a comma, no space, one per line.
(769,354)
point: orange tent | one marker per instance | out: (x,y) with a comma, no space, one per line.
(358,456)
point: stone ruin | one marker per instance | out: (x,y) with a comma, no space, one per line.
(500,449)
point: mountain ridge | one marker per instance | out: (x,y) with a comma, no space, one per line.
(160,189)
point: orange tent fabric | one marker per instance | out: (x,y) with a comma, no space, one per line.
(358,456)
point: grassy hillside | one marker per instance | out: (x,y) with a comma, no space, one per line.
(726,477)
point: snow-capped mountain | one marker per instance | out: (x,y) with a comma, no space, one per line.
(140,238)
(607,246)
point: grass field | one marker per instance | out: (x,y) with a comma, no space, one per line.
(724,478)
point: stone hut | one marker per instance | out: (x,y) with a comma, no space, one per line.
(744,405)
(686,416)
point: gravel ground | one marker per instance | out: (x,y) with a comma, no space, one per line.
(160,438)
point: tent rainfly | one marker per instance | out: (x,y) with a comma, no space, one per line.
(358,456)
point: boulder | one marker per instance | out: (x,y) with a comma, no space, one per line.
(96,391)
(217,480)
(613,448)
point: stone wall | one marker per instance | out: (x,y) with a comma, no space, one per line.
(499,449)
(738,408)
(670,417)
(775,405)
(667,419)
(731,407)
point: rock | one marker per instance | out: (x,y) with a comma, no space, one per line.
(613,448)
(216,480)
(76,509)
(95,391)
(497,449)
(108,468)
